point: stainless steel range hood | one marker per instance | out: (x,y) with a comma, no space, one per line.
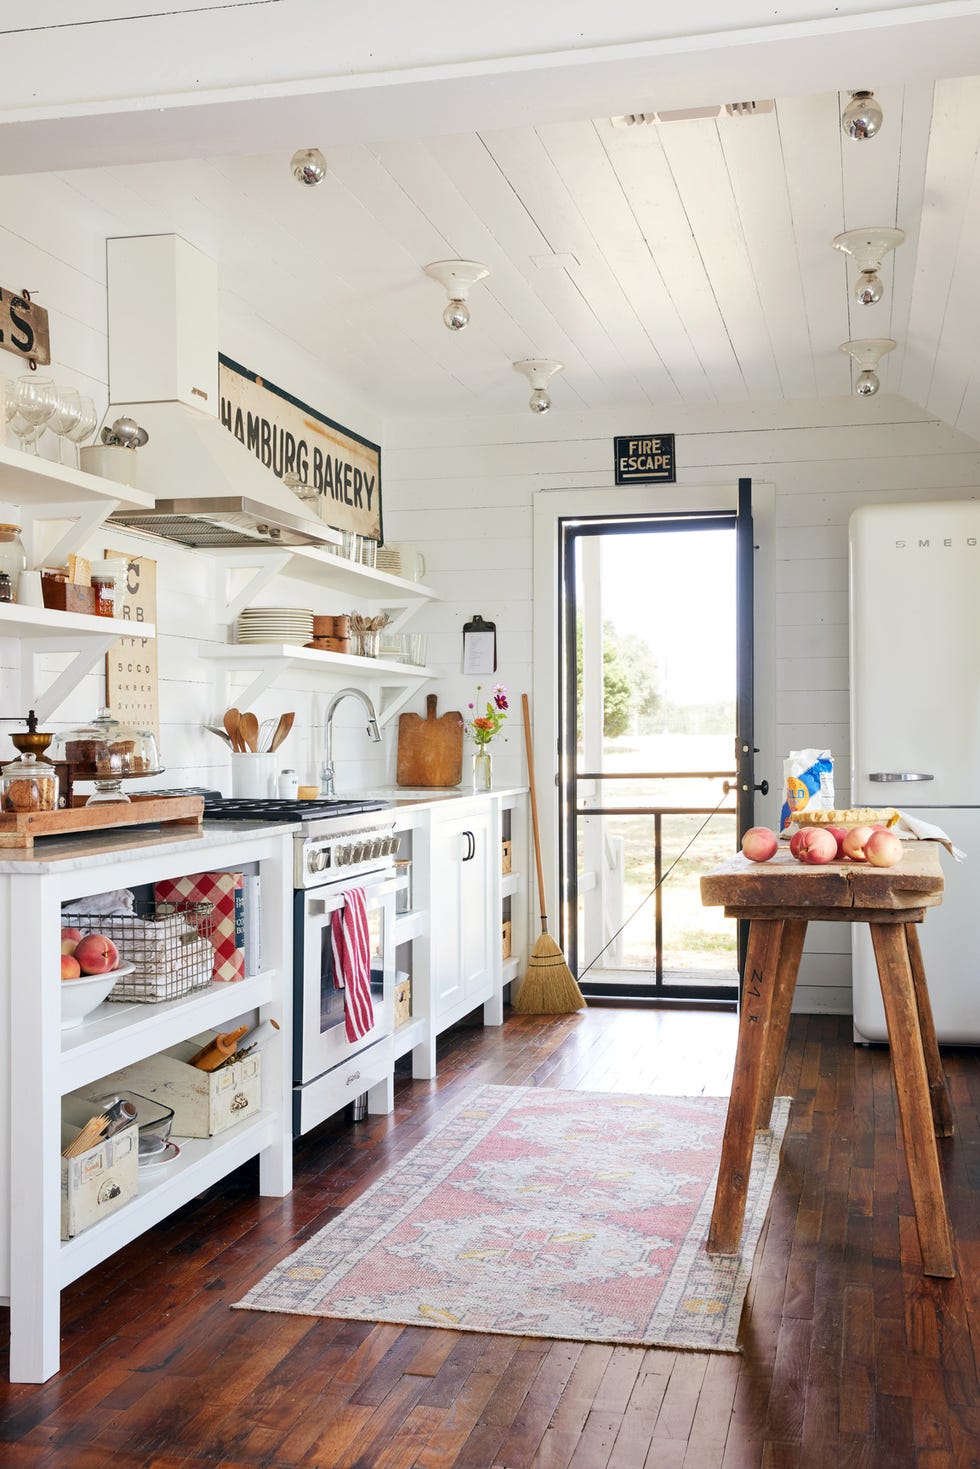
(163,371)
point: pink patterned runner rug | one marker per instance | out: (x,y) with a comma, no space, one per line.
(536,1212)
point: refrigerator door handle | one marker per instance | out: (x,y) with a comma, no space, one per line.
(897,775)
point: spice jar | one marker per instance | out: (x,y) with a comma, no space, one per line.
(106,576)
(6,590)
(13,559)
(29,784)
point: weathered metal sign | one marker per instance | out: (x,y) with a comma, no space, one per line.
(646,459)
(290,437)
(24,327)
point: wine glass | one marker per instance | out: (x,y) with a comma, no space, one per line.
(88,419)
(66,416)
(34,400)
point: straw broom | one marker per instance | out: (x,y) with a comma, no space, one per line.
(548,987)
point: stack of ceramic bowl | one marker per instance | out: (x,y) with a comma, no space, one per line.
(331,634)
(276,625)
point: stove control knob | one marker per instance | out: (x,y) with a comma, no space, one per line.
(311,861)
(322,860)
(358,852)
(342,854)
(391,846)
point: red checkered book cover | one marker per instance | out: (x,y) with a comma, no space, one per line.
(226,891)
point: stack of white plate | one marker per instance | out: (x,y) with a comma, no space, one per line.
(389,559)
(276,625)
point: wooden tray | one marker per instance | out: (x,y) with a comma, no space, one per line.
(20,828)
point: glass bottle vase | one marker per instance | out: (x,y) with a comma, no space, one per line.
(482,770)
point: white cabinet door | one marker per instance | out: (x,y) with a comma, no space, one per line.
(460,917)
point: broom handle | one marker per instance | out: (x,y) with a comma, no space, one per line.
(534,811)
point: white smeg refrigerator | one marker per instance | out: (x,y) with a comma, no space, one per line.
(915,729)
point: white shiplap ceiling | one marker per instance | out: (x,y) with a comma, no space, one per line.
(685,263)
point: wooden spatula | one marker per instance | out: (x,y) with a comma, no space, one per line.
(282,729)
(248,729)
(232,721)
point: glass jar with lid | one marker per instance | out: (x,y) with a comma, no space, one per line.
(13,558)
(108,752)
(28,784)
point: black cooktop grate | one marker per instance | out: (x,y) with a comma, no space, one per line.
(233,808)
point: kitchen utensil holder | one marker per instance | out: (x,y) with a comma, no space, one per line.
(169,944)
(253,776)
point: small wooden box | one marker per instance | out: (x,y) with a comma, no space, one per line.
(204,1102)
(100,1180)
(403,1001)
(505,852)
(505,939)
(65,596)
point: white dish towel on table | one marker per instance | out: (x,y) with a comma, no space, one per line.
(911,829)
(352,963)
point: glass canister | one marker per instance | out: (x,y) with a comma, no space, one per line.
(28,784)
(108,752)
(107,579)
(13,558)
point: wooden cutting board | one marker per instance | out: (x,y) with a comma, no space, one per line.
(430,750)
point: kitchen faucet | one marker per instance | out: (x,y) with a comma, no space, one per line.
(326,768)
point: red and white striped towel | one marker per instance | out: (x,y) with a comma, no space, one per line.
(352,963)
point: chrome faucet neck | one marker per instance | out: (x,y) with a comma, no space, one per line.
(327,779)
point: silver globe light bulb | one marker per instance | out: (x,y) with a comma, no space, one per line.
(867,383)
(868,288)
(862,117)
(309,165)
(539,402)
(456,315)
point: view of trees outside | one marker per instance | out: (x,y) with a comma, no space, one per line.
(668,646)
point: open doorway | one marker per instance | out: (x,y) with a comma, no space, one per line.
(650,698)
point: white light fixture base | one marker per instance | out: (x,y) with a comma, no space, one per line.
(456,276)
(868,247)
(867,352)
(538,371)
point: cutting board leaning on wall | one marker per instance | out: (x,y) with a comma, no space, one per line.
(430,750)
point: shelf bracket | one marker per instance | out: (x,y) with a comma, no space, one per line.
(396,701)
(61,686)
(85,517)
(404,611)
(263,571)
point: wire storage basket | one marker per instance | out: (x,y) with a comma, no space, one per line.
(169,945)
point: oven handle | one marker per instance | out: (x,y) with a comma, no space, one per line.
(315,905)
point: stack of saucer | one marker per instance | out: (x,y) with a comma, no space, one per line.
(276,625)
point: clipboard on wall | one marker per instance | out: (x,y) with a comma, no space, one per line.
(479,646)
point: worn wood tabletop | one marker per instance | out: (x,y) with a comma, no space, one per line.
(915,882)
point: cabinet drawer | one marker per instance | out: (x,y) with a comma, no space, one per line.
(320,1099)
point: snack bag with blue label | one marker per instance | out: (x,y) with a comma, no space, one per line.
(808,784)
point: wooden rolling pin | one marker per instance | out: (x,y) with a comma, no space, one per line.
(211,1056)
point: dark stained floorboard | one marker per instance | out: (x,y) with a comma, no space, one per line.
(850,1356)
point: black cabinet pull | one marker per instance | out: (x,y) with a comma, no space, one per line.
(470,846)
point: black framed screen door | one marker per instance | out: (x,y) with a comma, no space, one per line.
(656,698)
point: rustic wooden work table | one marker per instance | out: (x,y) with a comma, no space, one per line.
(779,898)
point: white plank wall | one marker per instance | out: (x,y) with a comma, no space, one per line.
(464,492)
(52,239)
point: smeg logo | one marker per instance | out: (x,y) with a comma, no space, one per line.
(929,543)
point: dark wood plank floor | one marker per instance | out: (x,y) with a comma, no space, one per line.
(850,1356)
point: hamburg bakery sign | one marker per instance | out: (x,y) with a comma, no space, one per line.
(289,437)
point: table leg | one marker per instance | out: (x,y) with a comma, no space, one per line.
(942,1111)
(761,967)
(912,1089)
(790,952)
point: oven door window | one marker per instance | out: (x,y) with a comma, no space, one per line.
(332,996)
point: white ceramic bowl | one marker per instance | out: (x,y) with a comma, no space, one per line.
(79,997)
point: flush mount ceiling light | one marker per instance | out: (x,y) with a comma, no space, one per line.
(867,354)
(868,248)
(862,117)
(456,277)
(538,371)
(309,166)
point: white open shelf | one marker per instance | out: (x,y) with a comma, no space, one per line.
(410,925)
(274,660)
(511,969)
(510,883)
(408,1036)
(48,624)
(202,1162)
(27,479)
(117,1033)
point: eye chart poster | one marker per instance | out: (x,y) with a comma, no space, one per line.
(131,686)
